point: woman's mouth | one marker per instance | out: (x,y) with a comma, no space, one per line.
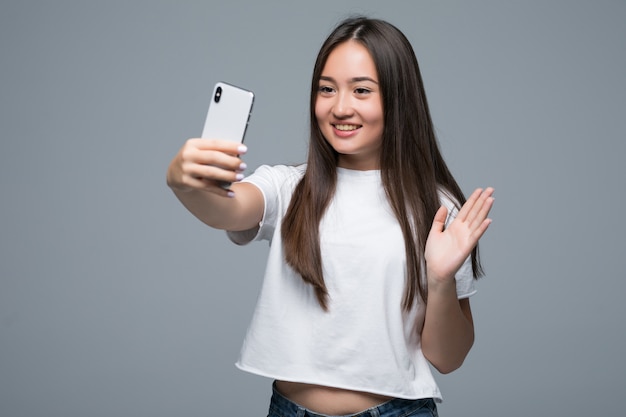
(346,128)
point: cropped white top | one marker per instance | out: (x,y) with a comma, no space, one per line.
(366,341)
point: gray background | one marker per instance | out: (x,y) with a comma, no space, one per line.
(115,301)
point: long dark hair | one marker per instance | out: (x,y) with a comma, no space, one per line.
(412,168)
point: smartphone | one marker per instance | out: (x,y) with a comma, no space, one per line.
(228,115)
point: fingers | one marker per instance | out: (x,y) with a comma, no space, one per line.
(481,229)
(216,172)
(479,203)
(226,146)
(202,159)
(475,211)
(206,164)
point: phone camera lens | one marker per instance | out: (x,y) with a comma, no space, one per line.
(218,94)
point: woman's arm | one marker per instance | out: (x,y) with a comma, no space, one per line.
(448,332)
(194,175)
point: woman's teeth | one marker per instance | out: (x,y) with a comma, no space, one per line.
(346,127)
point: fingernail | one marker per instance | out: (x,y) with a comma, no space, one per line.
(242,149)
(243,166)
(239,177)
(230,194)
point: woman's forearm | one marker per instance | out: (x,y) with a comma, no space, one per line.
(241,212)
(448,332)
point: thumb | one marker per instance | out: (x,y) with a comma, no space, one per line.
(440,220)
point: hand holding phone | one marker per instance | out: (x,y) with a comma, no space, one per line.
(228,114)
(201,164)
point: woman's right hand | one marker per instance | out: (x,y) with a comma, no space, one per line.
(204,164)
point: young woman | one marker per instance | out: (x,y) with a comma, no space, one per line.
(373,246)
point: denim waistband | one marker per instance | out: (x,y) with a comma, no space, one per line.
(282,406)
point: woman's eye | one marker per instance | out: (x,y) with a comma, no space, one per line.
(325,89)
(361,91)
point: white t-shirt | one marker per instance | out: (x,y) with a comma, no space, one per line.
(366,341)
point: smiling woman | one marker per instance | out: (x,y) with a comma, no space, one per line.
(372,258)
(349,107)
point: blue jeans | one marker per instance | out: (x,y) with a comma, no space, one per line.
(283,407)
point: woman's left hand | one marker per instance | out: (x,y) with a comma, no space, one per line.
(448,247)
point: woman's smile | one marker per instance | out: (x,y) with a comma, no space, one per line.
(345,128)
(345,131)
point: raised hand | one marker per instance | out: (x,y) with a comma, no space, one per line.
(448,247)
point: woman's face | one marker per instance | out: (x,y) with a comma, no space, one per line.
(349,108)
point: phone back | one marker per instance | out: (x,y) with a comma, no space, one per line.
(228,113)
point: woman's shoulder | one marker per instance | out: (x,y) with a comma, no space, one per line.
(281,169)
(279,173)
(276,179)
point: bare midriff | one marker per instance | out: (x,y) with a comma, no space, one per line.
(328,400)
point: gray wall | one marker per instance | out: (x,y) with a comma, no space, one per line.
(114,301)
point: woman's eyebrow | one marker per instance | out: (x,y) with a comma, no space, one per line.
(352,80)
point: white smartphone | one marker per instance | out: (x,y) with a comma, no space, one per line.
(228,115)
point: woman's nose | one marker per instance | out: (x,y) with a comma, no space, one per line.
(343,106)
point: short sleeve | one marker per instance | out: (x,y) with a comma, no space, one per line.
(276,183)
